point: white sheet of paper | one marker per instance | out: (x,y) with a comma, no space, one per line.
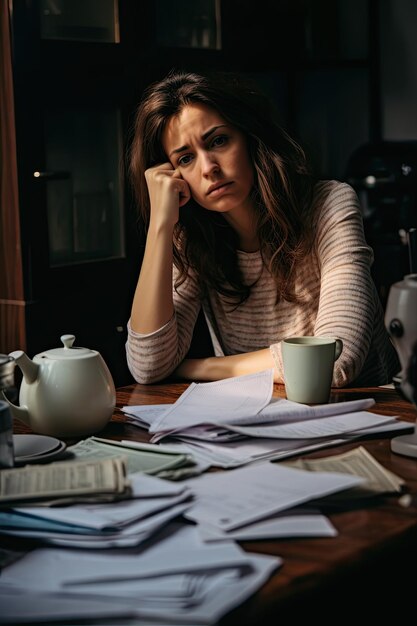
(278,409)
(240,453)
(236,454)
(208,432)
(145,486)
(113,515)
(200,598)
(153,447)
(248,494)
(287,524)
(226,400)
(179,550)
(145,413)
(283,411)
(129,537)
(331,426)
(220,591)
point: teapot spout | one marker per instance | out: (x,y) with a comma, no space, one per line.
(19,412)
(28,367)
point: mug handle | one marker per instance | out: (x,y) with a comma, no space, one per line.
(338,349)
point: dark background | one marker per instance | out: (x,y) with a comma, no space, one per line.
(342,76)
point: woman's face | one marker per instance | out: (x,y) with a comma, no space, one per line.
(212,157)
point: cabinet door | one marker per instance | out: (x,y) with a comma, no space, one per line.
(84,196)
(77,233)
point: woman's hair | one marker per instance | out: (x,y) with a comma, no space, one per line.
(282,191)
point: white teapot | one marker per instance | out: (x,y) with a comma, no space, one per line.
(65,392)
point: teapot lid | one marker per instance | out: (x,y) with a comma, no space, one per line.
(68,351)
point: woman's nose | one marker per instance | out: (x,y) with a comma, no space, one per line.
(209,164)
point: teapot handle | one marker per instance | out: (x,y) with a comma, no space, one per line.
(19,412)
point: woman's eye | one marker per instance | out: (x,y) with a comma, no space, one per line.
(220,140)
(185,159)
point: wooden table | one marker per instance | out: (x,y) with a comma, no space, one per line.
(370,568)
(371,563)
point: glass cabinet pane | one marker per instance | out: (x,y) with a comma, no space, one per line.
(189,23)
(83,186)
(80,20)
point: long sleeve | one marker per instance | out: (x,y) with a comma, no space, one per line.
(347,305)
(154,356)
(344,301)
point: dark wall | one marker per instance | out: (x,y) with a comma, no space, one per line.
(339,71)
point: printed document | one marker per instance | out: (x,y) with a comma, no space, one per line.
(223,401)
(229,500)
(177,579)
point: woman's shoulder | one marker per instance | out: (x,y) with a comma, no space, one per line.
(334,199)
(325,190)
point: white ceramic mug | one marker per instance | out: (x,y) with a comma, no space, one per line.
(308,367)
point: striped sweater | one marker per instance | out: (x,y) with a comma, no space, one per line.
(339,300)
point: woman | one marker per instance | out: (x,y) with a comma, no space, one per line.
(236,225)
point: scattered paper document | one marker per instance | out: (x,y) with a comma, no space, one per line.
(129,537)
(285,411)
(219,426)
(220,411)
(229,500)
(178,579)
(154,503)
(358,462)
(145,414)
(331,426)
(110,517)
(252,449)
(137,458)
(227,400)
(294,523)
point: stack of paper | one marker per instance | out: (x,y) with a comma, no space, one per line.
(171,571)
(236,421)
(99,480)
(154,502)
(180,575)
(139,457)
(177,580)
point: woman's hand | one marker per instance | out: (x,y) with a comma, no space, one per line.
(167,193)
(152,304)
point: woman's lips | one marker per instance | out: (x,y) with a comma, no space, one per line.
(217,190)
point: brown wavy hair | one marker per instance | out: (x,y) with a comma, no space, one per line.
(282,192)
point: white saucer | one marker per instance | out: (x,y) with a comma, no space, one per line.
(36,448)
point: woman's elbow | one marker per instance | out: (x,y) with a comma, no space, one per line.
(345,373)
(145,375)
(146,378)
